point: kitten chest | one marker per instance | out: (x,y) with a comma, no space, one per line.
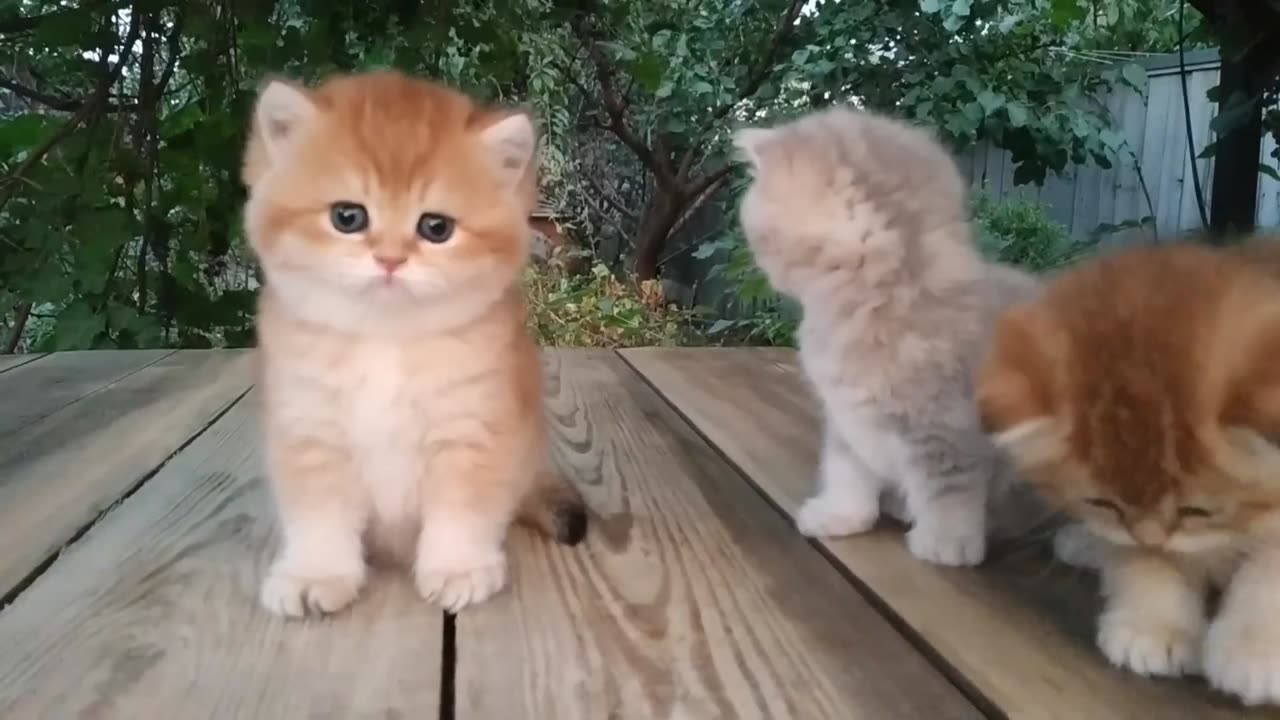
(386,416)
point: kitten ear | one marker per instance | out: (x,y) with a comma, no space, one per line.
(511,141)
(753,144)
(1015,389)
(282,109)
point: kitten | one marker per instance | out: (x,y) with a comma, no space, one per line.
(1141,394)
(402,400)
(863,220)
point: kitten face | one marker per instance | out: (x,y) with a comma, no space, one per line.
(1145,413)
(386,194)
(847,191)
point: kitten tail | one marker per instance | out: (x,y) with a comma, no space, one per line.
(555,508)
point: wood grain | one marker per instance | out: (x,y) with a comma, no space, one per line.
(9,362)
(153,614)
(60,472)
(691,597)
(1020,629)
(43,388)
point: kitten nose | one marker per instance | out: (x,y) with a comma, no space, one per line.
(1149,534)
(389,263)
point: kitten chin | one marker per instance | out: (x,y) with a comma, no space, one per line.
(1148,414)
(402,394)
(863,219)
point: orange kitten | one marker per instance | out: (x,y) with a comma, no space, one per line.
(1141,393)
(402,398)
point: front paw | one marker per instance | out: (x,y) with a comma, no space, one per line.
(825,516)
(950,546)
(295,594)
(1242,657)
(454,583)
(1148,645)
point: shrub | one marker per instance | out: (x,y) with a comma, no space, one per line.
(752,312)
(594,308)
(1021,233)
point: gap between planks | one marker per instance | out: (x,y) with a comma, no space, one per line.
(953,674)
(80,532)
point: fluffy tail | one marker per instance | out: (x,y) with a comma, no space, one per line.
(555,508)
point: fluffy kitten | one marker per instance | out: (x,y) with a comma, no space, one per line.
(1141,394)
(864,220)
(402,399)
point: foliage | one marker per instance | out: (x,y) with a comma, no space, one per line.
(1021,233)
(121,123)
(751,312)
(595,308)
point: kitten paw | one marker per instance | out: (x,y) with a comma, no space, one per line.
(1149,646)
(1243,658)
(454,585)
(822,516)
(296,595)
(947,548)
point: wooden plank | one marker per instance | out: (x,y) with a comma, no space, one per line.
(63,378)
(690,598)
(9,362)
(59,473)
(153,614)
(1020,629)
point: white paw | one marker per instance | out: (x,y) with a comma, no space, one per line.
(1149,646)
(1243,658)
(454,585)
(295,595)
(1076,546)
(927,542)
(823,516)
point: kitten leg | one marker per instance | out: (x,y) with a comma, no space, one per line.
(848,497)
(1154,618)
(947,499)
(470,499)
(1242,650)
(323,513)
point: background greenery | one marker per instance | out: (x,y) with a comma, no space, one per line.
(121,124)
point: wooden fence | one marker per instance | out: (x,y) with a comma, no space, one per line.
(1154,126)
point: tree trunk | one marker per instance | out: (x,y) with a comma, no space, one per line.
(655,228)
(20,315)
(1233,205)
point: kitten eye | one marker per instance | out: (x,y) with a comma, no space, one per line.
(435,228)
(1105,504)
(348,217)
(1191,511)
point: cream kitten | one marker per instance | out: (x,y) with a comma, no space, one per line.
(864,220)
(402,399)
(1141,394)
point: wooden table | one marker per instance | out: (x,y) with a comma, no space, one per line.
(134,529)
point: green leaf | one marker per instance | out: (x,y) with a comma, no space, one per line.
(930,6)
(952,23)
(1018,114)
(719,326)
(1066,12)
(76,326)
(1134,76)
(1209,151)
(702,87)
(21,133)
(1238,111)
(619,51)
(961,7)
(990,101)
(648,70)
(1269,171)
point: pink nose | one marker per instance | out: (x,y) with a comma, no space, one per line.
(389,263)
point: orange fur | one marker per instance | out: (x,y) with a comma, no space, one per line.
(402,407)
(1141,393)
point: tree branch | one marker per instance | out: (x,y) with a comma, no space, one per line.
(616,104)
(21,313)
(755,80)
(21,24)
(54,102)
(90,106)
